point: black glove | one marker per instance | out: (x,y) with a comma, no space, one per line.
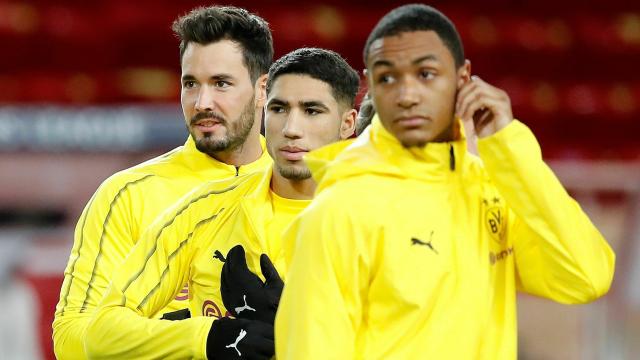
(244,294)
(240,339)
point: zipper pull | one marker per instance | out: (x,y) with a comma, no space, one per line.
(452,158)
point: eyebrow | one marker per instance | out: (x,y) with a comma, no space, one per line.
(304,104)
(417,61)
(217,77)
(320,104)
(276,101)
(187,77)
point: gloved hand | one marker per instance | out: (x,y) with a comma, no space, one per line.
(244,294)
(240,339)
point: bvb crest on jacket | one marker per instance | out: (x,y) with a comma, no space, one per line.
(495,218)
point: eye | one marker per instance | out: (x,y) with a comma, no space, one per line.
(222,84)
(276,109)
(426,74)
(312,111)
(189,84)
(385,79)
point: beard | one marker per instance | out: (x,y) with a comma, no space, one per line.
(293,172)
(298,172)
(236,134)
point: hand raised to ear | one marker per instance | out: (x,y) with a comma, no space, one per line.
(488,107)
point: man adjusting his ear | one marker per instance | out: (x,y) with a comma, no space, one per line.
(414,248)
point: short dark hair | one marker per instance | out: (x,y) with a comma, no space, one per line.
(205,25)
(418,17)
(324,65)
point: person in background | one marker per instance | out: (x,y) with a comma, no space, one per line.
(365,114)
(19,302)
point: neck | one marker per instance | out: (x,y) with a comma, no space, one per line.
(292,189)
(451,133)
(246,153)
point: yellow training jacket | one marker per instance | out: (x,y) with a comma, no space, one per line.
(115,217)
(185,245)
(418,253)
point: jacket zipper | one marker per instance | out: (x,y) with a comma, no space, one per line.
(452,158)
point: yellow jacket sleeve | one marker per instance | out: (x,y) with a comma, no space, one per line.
(102,239)
(70,323)
(559,253)
(153,273)
(323,290)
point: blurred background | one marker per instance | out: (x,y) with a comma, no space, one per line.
(88,88)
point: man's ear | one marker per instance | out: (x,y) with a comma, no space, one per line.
(348,123)
(464,74)
(260,91)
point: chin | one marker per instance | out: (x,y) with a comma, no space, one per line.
(293,172)
(210,137)
(411,140)
(414,143)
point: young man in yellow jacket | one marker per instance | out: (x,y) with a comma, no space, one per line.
(310,100)
(413,248)
(225,53)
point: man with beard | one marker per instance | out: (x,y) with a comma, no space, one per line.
(413,248)
(225,53)
(310,100)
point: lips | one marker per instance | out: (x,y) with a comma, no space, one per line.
(411,121)
(207,122)
(293,153)
(207,125)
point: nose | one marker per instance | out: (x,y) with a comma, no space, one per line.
(205,100)
(293,126)
(408,93)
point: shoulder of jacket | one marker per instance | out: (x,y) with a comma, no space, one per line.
(356,194)
(222,186)
(217,190)
(142,171)
(170,158)
(123,179)
(204,203)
